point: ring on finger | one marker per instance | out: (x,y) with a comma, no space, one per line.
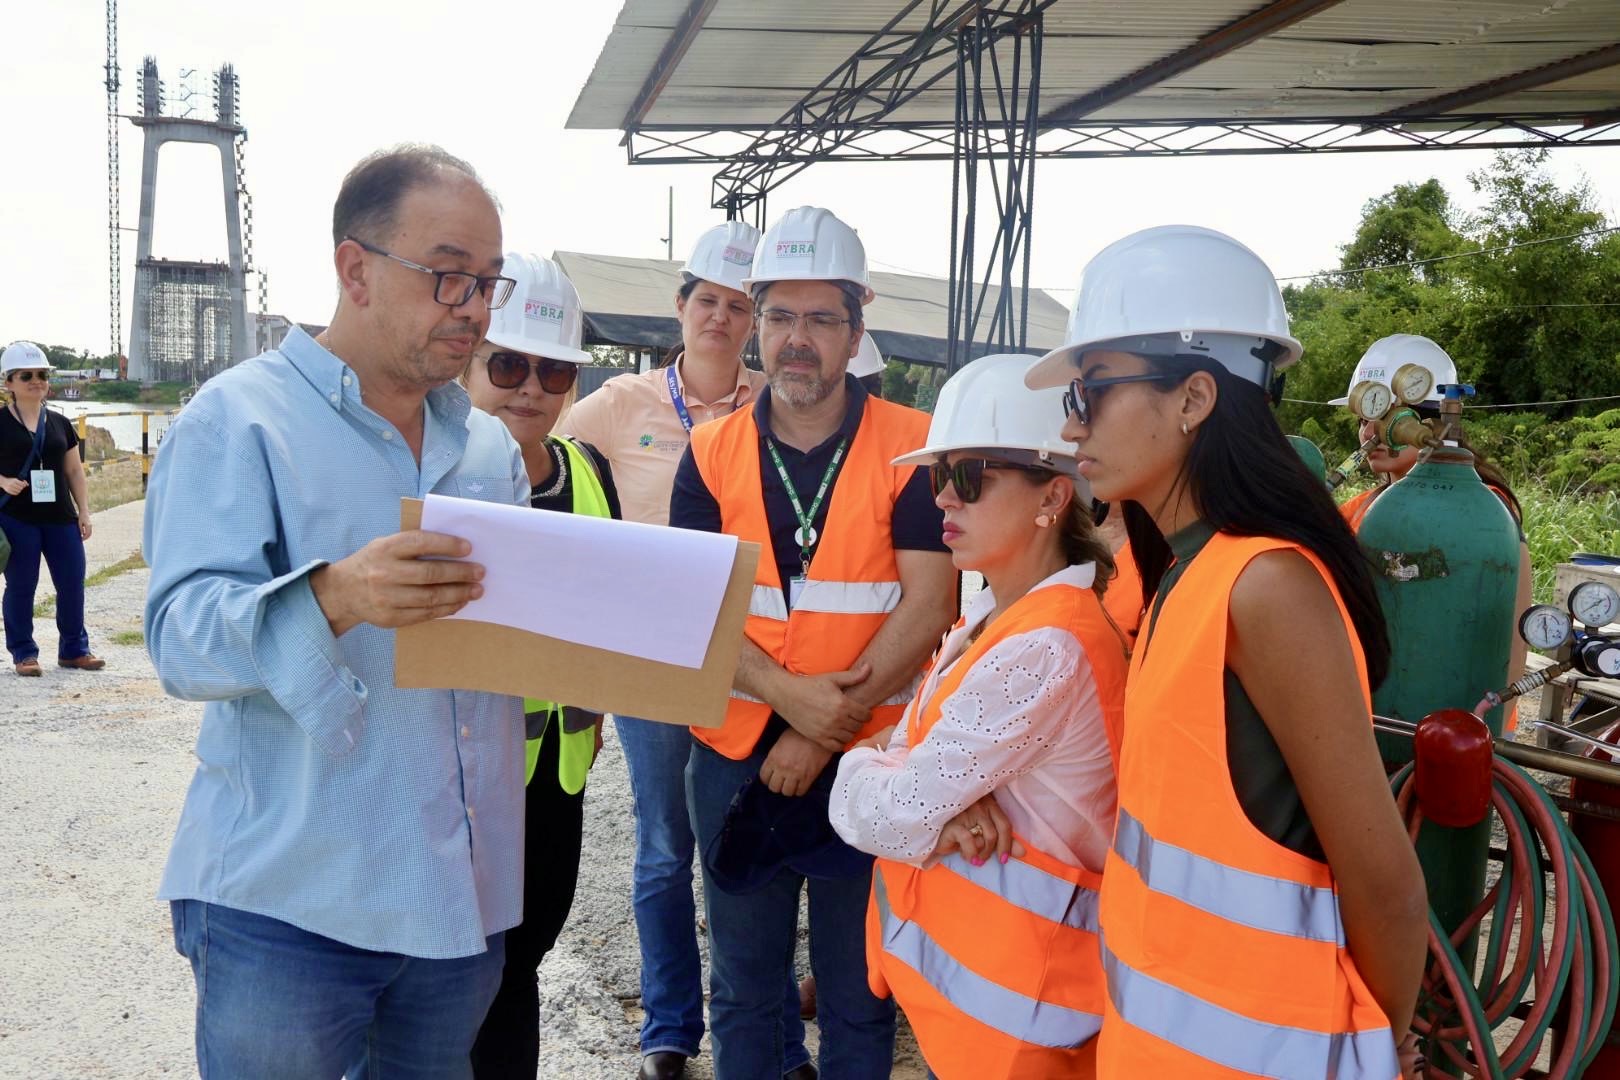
(977,830)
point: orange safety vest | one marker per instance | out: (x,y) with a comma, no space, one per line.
(1356,506)
(1225,951)
(1123,600)
(997,966)
(853,581)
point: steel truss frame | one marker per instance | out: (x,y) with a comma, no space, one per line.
(991,48)
(774,150)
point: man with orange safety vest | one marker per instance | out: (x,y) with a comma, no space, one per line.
(854,589)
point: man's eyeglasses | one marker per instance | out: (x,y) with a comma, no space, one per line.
(1082,394)
(30,376)
(452,288)
(509,370)
(967,475)
(817,323)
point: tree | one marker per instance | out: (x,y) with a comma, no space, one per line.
(1412,223)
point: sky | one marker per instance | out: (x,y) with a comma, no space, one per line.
(324,83)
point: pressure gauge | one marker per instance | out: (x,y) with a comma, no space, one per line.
(1601,658)
(1370,400)
(1412,383)
(1545,627)
(1594,603)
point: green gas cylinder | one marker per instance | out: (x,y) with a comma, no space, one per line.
(1311,455)
(1446,561)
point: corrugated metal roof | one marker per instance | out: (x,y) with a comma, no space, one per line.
(752,60)
(632,302)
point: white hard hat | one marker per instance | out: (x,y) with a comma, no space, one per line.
(810,244)
(1388,355)
(1183,290)
(987,406)
(723,255)
(22,356)
(543,316)
(868,361)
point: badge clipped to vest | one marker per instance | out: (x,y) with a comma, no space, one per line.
(796,585)
(42,483)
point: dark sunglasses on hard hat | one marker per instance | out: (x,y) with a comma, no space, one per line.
(509,370)
(967,475)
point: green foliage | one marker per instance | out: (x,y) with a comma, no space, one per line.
(1561,521)
(1520,323)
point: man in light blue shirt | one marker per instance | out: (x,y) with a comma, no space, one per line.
(349,853)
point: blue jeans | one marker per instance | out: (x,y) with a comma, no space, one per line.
(63,552)
(278,1003)
(751,940)
(666,917)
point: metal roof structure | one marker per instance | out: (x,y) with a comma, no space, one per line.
(765,88)
(632,302)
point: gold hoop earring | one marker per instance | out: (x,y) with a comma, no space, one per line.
(1043,520)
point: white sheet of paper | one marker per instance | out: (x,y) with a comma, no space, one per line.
(623,586)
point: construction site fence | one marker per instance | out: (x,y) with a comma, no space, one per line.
(146,452)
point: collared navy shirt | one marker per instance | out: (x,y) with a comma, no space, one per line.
(917,525)
(325,796)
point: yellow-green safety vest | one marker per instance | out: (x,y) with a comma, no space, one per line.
(575,749)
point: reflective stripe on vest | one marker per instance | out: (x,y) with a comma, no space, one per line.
(577,750)
(1265,903)
(831,597)
(1223,950)
(1028,1019)
(853,581)
(1031,889)
(1241,1043)
(998,965)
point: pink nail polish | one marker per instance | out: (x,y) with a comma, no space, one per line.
(977,861)
(1004,858)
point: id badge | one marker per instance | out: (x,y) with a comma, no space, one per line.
(795,590)
(42,482)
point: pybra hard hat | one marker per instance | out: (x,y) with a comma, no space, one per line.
(1388,355)
(544,317)
(810,244)
(987,406)
(22,356)
(868,361)
(723,255)
(1177,290)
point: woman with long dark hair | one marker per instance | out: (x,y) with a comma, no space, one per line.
(1262,911)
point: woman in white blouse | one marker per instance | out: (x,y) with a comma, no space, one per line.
(991,806)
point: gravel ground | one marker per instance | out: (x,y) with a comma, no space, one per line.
(93,770)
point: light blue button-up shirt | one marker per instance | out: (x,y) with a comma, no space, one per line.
(324,796)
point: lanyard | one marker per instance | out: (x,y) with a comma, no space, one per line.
(805,535)
(677,400)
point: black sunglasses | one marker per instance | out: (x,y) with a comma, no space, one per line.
(1079,397)
(509,370)
(967,475)
(30,376)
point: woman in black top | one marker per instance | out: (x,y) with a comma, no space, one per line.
(524,374)
(38,516)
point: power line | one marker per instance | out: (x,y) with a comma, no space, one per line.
(1506,405)
(1455,255)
